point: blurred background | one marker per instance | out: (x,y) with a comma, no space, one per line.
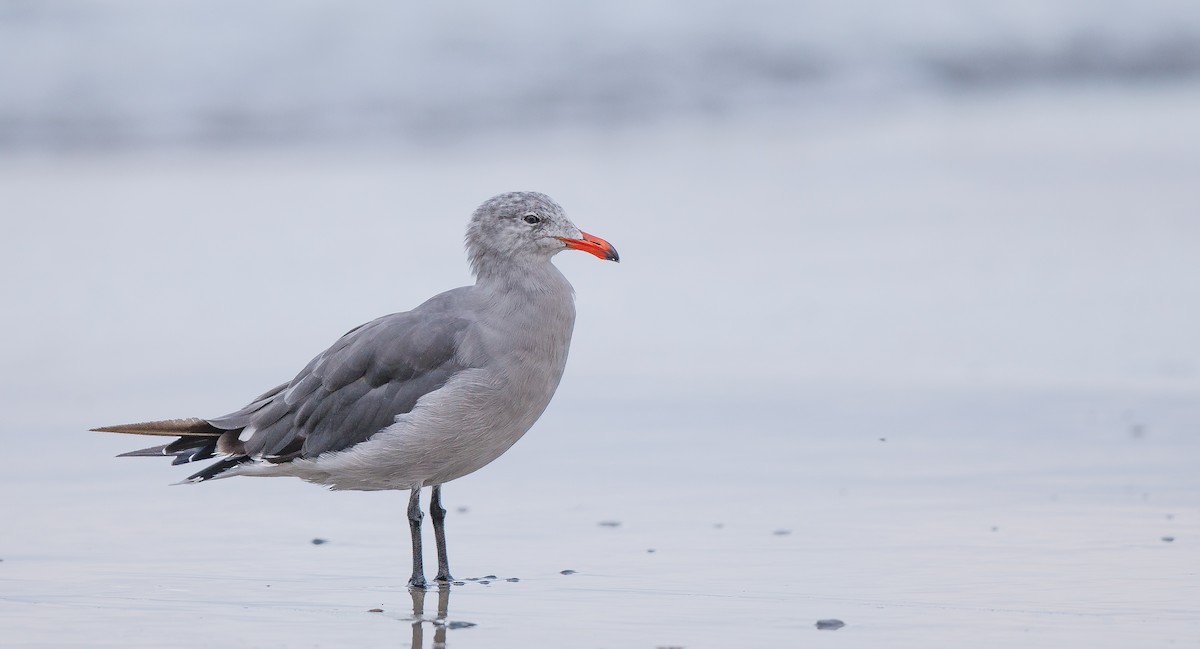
(931,192)
(132,74)
(916,270)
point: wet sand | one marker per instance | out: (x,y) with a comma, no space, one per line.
(931,375)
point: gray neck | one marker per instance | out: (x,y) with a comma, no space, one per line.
(537,278)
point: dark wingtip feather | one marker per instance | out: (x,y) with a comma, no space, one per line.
(153,451)
(215,469)
(168,427)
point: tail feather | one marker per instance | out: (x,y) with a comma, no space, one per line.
(198,439)
(190,427)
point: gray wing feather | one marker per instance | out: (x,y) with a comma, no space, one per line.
(358,386)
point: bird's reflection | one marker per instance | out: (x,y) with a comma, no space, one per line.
(439,621)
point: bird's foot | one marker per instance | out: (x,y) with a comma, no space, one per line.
(444,578)
(417,583)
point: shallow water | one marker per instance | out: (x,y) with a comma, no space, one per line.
(930,373)
(1046,532)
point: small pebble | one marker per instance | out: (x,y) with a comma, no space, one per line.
(484,582)
(490,577)
(718,525)
(830,625)
(512,579)
(883,439)
(609,523)
(781,532)
(375,610)
(650,550)
(459,583)
(460,625)
(1168,539)
(995,528)
(319,541)
(461,510)
(566,572)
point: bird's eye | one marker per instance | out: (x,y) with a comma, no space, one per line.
(532,219)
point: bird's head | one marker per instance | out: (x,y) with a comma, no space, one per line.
(526,227)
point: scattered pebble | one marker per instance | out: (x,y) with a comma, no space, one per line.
(459,625)
(670,646)
(719,525)
(489,576)
(459,583)
(781,532)
(995,528)
(650,550)
(512,579)
(609,523)
(484,582)
(319,541)
(1169,517)
(1137,431)
(883,439)
(566,572)
(461,510)
(830,625)
(1168,539)
(375,610)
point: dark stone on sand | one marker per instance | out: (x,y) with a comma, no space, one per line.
(459,625)
(781,532)
(484,582)
(375,610)
(566,572)
(830,625)
(718,525)
(459,583)
(319,541)
(649,550)
(461,510)
(1168,539)
(490,577)
(609,523)
(512,579)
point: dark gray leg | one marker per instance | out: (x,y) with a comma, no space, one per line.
(414,526)
(438,514)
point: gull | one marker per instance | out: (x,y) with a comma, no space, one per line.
(419,398)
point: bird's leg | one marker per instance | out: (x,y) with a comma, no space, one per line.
(414,526)
(438,514)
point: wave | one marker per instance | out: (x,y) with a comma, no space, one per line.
(129,73)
